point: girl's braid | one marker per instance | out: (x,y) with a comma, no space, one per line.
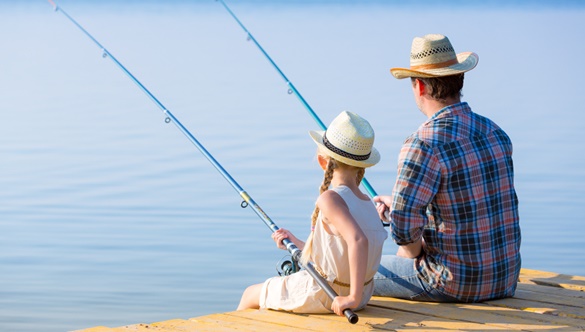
(331,165)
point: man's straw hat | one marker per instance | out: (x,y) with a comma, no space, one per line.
(434,56)
(349,139)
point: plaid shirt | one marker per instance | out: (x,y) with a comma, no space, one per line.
(455,188)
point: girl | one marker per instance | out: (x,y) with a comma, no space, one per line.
(345,244)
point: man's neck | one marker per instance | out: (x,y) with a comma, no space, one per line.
(432,106)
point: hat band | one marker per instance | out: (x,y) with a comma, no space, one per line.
(435,65)
(343,153)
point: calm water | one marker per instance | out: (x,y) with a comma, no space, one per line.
(109,216)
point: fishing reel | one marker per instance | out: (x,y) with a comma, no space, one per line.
(287,266)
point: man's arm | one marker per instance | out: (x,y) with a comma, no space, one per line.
(411,250)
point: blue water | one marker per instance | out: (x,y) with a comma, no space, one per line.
(109,216)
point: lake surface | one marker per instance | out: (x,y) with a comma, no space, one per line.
(110,216)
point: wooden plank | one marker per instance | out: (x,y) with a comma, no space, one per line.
(249,320)
(127,328)
(530,273)
(540,307)
(508,318)
(546,291)
(552,279)
(177,325)
(535,294)
(371,318)
(166,326)
(298,321)
(214,322)
(379,318)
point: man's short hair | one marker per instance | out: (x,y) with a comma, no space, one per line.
(442,88)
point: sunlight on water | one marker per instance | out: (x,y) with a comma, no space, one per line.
(110,216)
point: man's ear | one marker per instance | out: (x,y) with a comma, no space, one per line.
(419,87)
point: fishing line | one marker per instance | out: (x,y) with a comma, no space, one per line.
(247,200)
(293,90)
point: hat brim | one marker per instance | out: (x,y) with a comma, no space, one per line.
(374,158)
(466,61)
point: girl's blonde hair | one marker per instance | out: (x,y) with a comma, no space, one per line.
(332,165)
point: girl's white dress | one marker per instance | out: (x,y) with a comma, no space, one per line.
(300,293)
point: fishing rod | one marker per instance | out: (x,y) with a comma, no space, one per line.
(292,89)
(247,199)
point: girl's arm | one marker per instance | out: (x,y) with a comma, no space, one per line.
(282,234)
(336,214)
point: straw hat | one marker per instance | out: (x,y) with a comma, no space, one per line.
(349,139)
(434,56)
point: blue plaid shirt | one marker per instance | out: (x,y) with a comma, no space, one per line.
(455,188)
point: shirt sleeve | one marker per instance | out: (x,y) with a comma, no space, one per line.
(417,182)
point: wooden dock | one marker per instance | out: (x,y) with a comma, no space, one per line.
(544,301)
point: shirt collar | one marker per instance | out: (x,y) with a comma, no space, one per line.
(451,110)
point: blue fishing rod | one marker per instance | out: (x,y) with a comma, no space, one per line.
(247,199)
(291,88)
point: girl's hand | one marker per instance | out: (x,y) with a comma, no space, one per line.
(280,235)
(341,303)
(382,206)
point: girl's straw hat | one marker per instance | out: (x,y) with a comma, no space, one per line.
(349,139)
(433,56)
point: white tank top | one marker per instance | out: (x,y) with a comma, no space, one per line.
(330,251)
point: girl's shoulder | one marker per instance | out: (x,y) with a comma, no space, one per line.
(340,197)
(330,196)
(331,200)
(351,193)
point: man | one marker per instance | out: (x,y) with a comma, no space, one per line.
(453,209)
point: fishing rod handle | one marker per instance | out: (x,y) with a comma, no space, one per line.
(351,316)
